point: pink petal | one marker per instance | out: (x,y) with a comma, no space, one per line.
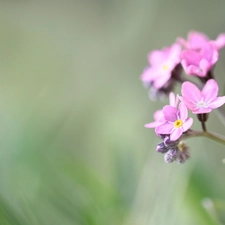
(176,133)
(219,101)
(204,65)
(210,90)
(215,57)
(196,71)
(201,110)
(192,57)
(170,113)
(183,112)
(153,124)
(197,39)
(187,124)
(174,55)
(220,41)
(176,101)
(189,105)
(191,92)
(165,128)
(158,115)
(156,57)
(148,74)
(207,51)
(172,99)
(182,42)
(161,80)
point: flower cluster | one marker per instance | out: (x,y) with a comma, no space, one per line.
(197,57)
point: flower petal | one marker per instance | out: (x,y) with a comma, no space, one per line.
(148,74)
(158,115)
(210,90)
(183,112)
(191,57)
(161,80)
(176,133)
(156,57)
(189,105)
(201,110)
(153,124)
(172,99)
(174,55)
(170,113)
(220,41)
(191,92)
(187,124)
(165,128)
(217,102)
(197,39)
(204,66)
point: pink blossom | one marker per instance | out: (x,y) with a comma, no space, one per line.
(199,62)
(177,121)
(200,53)
(197,40)
(201,101)
(162,62)
(158,115)
(159,119)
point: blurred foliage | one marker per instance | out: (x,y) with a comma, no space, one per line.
(73,148)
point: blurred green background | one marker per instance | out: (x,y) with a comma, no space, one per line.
(73,149)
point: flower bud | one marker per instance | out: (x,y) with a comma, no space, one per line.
(184,153)
(161,148)
(173,153)
(162,136)
(167,158)
(170,144)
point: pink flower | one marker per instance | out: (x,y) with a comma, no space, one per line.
(197,40)
(162,64)
(201,101)
(201,53)
(158,115)
(176,123)
(199,62)
(159,119)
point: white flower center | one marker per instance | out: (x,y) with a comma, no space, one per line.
(201,104)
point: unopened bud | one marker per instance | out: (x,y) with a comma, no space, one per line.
(162,136)
(161,148)
(167,158)
(184,153)
(169,143)
(173,153)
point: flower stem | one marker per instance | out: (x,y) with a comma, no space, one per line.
(203,126)
(210,135)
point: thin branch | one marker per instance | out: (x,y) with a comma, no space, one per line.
(213,136)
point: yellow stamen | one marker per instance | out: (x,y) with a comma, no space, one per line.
(165,67)
(178,123)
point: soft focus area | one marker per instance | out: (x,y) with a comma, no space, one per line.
(73,149)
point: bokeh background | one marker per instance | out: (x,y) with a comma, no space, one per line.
(73,147)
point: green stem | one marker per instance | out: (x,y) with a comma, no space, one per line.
(210,135)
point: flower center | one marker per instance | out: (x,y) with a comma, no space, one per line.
(201,104)
(178,123)
(165,67)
